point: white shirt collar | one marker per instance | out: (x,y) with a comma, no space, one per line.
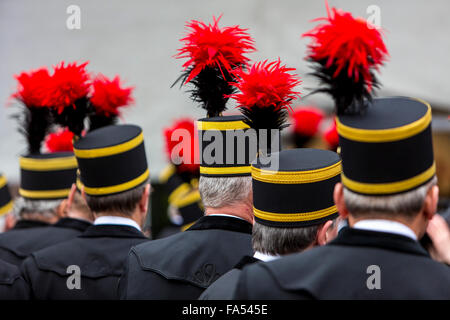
(116,221)
(265,257)
(389,226)
(225,215)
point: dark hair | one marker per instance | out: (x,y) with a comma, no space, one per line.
(124,203)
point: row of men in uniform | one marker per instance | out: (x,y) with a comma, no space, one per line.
(266,234)
(278,224)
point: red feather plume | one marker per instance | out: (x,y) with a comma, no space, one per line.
(211,46)
(108,95)
(68,84)
(31,87)
(346,51)
(307,120)
(348,43)
(188,162)
(331,136)
(60,141)
(266,93)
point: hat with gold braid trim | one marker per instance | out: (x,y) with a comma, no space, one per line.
(6,203)
(385,143)
(300,192)
(389,148)
(222,133)
(43,176)
(214,54)
(111,160)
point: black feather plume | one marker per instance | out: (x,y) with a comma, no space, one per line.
(34,124)
(350,95)
(73,117)
(211,89)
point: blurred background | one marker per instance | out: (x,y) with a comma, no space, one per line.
(137,39)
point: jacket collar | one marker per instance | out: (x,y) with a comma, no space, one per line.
(245,260)
(72,223)
(367,238)
(26,224)
(112,231)
(222,223)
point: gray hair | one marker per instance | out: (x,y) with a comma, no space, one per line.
(407,204)
(45,208)
(281,241)
(224,191)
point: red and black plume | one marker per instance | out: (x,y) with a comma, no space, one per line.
(266,93)
(108,97)
(346,52)
(68,95)
(306,122)
(184,161)
(60,141)
(35,117)
(213,54)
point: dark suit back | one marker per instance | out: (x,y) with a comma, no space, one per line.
(30,236)
(183,265)
(341,270)
(99,253)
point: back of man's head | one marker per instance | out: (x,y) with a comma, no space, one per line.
(41,210)
(281,241)
(123,204)
(404,205)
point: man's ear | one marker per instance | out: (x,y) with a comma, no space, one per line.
(10,221)
(338,196)
(431,202)
(83,194)
(61,211)
(322,233)
(145,199)
(71,196)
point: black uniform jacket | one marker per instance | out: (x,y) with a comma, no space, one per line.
(99,254)
(353,266)
(224,287)
(28,236)
(183,265)
(12,285)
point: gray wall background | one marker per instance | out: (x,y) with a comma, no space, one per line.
(137,40)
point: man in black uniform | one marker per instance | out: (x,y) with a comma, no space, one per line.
(183,265)
(46,217)
(285,224)
(388,193)
(114,178)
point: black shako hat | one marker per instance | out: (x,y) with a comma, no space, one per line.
(299,193)
(111,160)
(224,146)
(47,176)
(6,202)
(388,148)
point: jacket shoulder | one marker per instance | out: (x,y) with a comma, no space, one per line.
(198,256)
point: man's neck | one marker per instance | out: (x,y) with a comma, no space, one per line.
(40,218)
(132,217)
(398,226)
(240,211)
